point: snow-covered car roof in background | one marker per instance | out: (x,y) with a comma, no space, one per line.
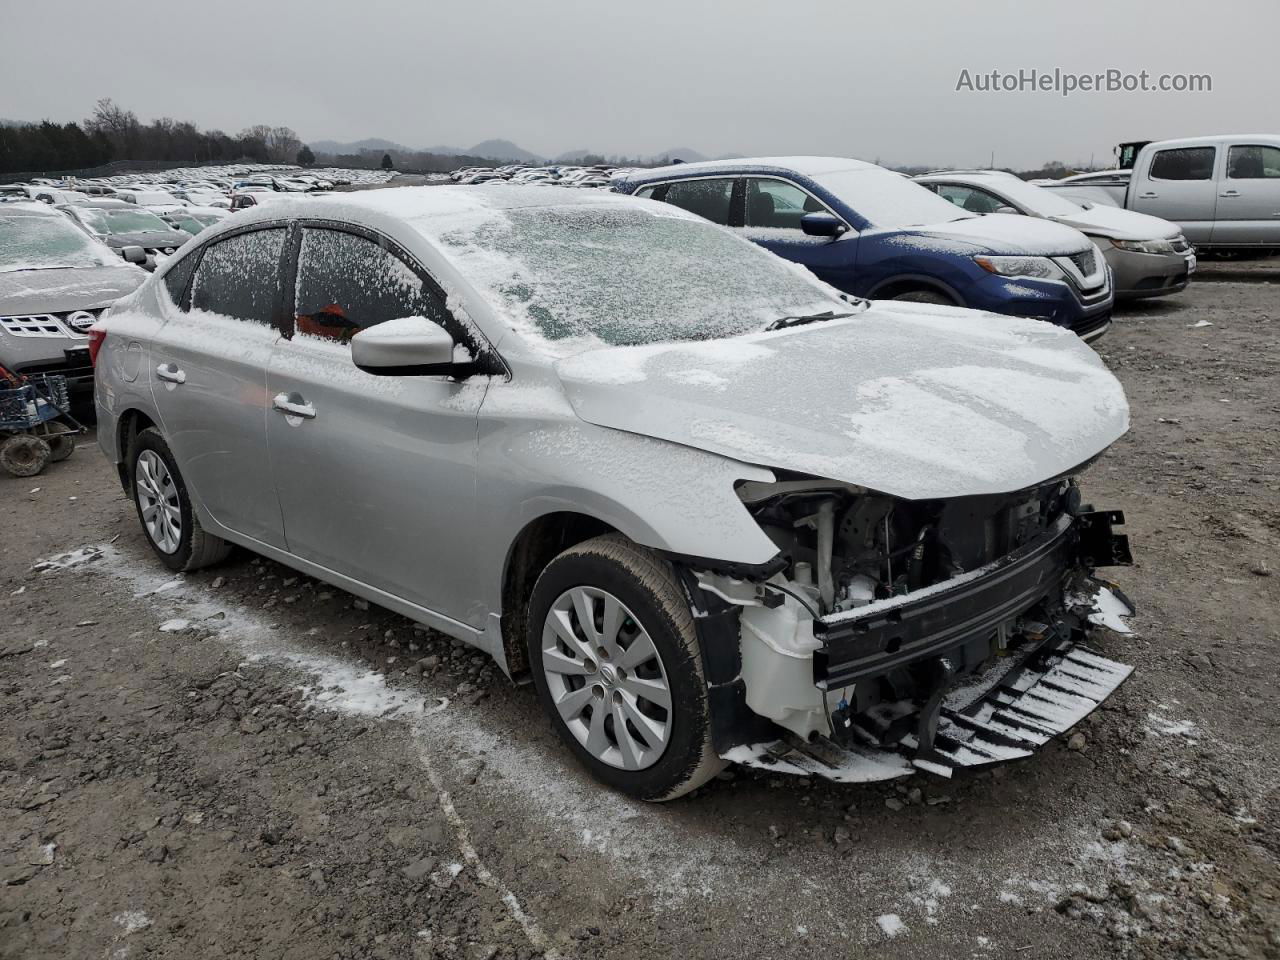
(805,166)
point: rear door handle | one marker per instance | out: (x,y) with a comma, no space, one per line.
(170,373)
(1229,193)
(1148,196)
(293,408)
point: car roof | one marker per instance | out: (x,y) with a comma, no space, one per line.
(32,208)
(1219,138)
(805,166)
(431,211)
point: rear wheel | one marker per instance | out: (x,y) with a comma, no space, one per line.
(24,454)
(616,663)
(164,507)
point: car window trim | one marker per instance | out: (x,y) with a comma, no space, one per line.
(471,335)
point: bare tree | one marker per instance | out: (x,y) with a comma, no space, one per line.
(118,125)
(282,144)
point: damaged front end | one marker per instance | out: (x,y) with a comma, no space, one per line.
(893,635)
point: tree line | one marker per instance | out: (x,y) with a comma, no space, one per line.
(112,132)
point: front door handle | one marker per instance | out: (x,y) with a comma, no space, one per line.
(1229,193)
(293,408)
(170,373)
(1148,196)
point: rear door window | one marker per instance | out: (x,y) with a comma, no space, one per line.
(1247,162)
(240,276)
(710,198)
(1183,163)
(348,282)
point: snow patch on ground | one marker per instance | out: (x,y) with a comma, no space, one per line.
(890,925)
(1161,723)
(132,921)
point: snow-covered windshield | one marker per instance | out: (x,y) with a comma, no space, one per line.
(43,243)
(1033,199)
(573,277)
(888,200)
(123,221)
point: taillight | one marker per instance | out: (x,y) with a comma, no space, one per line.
(97,334)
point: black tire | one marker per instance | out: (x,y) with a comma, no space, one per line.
(61,440)
(926,296)
(646,585)
(24,454)
(196,548)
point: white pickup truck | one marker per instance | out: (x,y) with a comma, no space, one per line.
(1224,191)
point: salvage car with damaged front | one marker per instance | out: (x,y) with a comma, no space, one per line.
(716,510)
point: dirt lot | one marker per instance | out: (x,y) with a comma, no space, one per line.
(247,763)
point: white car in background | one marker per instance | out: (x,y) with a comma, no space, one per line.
(1149,257)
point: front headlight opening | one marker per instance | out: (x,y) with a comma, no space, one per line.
(1145,246)
(1039,267)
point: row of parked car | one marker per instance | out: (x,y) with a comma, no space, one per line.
(561,175)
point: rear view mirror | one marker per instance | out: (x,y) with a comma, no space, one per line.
(134,254)
(822,225)
(410,346)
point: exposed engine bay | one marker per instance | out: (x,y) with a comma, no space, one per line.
(885,626)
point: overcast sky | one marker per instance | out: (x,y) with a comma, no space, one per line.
(874,80)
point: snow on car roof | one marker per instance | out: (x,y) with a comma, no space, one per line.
(33,208)
(806,166)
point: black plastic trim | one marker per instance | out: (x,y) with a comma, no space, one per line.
(878,642)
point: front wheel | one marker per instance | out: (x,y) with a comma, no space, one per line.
(616,662)
(164,507)
(925,296)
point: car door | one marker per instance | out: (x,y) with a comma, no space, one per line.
(772,211)
(375,474)
(208,370)
(1249,196)
(1179,184)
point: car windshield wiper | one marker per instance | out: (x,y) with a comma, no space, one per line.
(799,321)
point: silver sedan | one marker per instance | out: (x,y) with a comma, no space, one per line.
(716,510)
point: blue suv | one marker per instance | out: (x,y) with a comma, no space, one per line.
(873,233)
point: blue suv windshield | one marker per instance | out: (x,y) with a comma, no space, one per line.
(885,199)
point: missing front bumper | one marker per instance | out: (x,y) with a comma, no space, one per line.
(1004,714)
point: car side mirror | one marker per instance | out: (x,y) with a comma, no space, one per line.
(822,225)
(1005,209)
(134,254)
(408,347)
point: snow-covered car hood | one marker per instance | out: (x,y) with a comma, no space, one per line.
(913,401)
(1007,233)
(148,238)
(1117,224)
(70,288)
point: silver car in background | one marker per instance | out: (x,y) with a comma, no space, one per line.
(714,509)
(55,281)
(1149,257)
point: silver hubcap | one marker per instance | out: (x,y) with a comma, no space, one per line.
(158,497)
(606,679)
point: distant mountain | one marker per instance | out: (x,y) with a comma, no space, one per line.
(356,146)
(503,150)
(685,154)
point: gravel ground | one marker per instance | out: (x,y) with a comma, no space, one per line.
(247,763)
